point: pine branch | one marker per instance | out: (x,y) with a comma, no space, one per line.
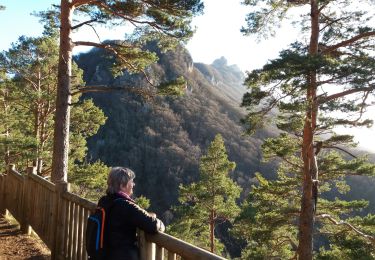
(350,226)
(349,41)
(118,55)
(77,3)
(145,93)
(330,21)
(287,239)
(133,21)
(84,23)
(346,93)
(341,149)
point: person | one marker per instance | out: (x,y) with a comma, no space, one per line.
(124,217)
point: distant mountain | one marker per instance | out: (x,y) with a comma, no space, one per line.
(162,140)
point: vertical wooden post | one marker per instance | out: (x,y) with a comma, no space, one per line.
(25,226)
(59,221)
(146,248)
(2,195)
(159,255)
(171,256)
(10,168)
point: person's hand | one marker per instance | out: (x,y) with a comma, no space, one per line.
(161,227)
(152,214)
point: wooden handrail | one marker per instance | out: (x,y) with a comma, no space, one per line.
(79,200)
(182,248)
(42,181)
(69,212)
(18,175)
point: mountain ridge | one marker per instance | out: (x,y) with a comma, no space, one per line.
(171,134)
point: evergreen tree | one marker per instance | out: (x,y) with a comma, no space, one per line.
(168,22)
(14,143)
(28,100)
(312,88)
(210,201)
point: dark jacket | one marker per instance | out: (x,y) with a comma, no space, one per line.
(122,220)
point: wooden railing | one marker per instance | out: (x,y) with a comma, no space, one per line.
(59,218)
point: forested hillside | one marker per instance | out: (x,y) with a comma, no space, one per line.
(162,139)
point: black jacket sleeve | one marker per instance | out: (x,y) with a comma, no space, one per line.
(142,219)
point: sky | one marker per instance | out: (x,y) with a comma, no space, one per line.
(217,34)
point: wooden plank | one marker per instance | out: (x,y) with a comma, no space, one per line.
(142,244)
(25,224)
(171,255)
(70,225)
(80,201)
(75,231)
(85,217)
(43,182)
(182,248)
(12,171)
(80,233)
(2,195)
(14,186)
(159,254)
(66,228)
(36,212)
(49,209)
(31,202)
(60,215)
(60,230)
(43,216)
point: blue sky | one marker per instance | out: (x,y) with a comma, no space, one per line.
(218,34)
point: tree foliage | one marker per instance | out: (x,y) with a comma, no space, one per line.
(168,22)
(210,201)
(28,95)
(312,87)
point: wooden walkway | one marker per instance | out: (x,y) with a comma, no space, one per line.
(15,245)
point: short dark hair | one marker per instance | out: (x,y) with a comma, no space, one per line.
(118,176)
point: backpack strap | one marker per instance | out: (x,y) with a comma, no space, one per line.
(105,213)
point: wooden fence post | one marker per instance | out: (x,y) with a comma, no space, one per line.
(11,167)
(59,220)
(147,249)
(25,225)
(2,195)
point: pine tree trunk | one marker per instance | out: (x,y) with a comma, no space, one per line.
(7,152)
(37,134)
(212,230)
(306,223)
(62,114)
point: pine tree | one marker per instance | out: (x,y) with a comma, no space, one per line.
(168,22)
(312,88)
(28,100)
(210,201)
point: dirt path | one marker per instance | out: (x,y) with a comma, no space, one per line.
(14,245)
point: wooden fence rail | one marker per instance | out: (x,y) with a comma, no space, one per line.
(59,218)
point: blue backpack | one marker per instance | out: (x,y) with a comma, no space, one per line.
(95,232)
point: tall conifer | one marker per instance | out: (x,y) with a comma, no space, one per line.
(323,81)
(168,22)
(210,201)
